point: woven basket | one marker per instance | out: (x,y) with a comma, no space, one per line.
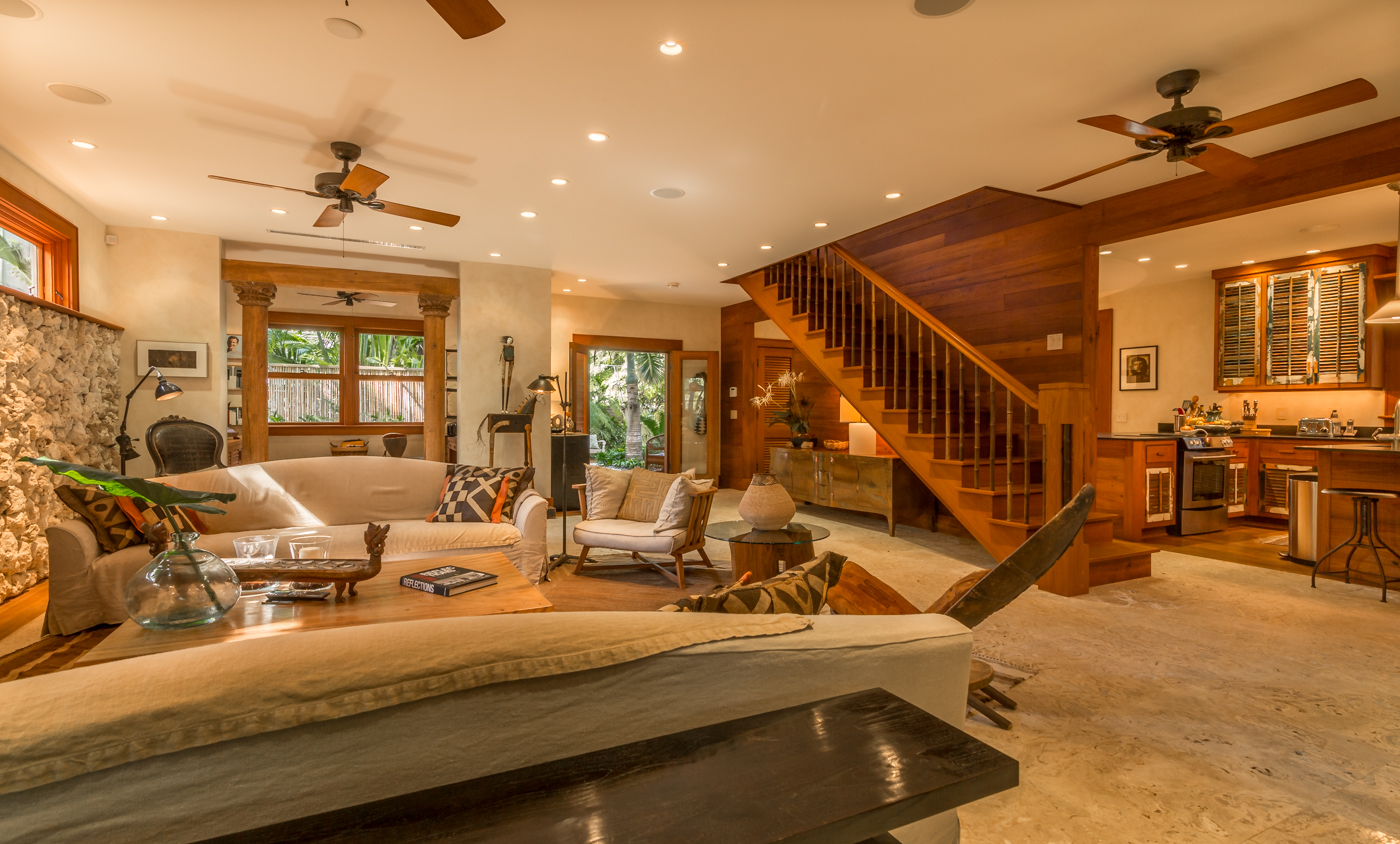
(338,450)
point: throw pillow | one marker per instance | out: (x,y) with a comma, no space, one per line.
(801,590)
(604,490)
(675,510)
(646,492)
(144,514)
(481,494)
(99,509)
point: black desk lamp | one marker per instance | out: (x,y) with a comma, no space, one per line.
(543,386)
(164,390)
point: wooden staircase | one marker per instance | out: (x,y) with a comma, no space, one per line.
(972,432)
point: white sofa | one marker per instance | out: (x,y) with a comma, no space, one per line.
(334,496)
(229,785)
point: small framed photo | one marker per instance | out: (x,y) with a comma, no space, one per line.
(1137,368)
(233,346)
(174,360)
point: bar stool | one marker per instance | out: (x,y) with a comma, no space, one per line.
(1365,533)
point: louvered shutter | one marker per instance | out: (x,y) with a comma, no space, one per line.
(1239,339)
(1289,353)
(772,366)
(1341,329)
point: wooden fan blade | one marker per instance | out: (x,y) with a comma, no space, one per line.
(377,304)
(1124,126)
(1099,170)
(263,185)
(468,18)
(423,214)
(1222,162)
(330,304)
(1345,94)
(363,180)
(330,218)
(318,295)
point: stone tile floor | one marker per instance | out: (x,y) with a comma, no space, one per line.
(1212,702)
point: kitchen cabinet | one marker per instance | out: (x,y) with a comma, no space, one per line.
(1136,484)
(867,484)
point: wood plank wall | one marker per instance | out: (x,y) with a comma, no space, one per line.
(959,261)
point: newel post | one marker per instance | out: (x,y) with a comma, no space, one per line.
(1067,411)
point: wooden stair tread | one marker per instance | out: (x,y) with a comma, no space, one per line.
(1016,489)
(1118,549)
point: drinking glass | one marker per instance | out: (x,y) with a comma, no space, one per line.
(310,547)
(259,549)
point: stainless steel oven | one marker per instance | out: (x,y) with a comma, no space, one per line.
(1203,473)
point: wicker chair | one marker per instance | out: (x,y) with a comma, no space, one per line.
(637,538)
(655,458)
(179,445)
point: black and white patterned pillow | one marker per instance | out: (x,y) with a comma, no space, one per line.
(481,494)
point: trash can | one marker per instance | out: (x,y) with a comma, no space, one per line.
(1302,517)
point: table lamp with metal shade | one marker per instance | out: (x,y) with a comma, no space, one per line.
(164,391)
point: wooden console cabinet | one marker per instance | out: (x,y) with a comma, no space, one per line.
(880,485)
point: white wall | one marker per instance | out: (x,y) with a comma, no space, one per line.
(1179,318)
(498,300)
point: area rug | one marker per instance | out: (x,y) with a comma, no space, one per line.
(50,654)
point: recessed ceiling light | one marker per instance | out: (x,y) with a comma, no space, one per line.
(723,264)
(78,94)
(416,228)
(820,225)
(278,211)
(1143,260)
(597,136)
(673,284)
(668,193)
(158,217)
(527,214)
(672,48)
(1312,252)
(342,28)
(1246,262)
(558,181)
(567,290)
(78,144)
(583,281)
(495,254)
(1106,252)
(765,246)
(1181,266)
(893,195)
(20,9)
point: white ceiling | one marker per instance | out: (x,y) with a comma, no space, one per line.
(1361,217)
(779,113)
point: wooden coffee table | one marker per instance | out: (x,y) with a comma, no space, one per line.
(380,600)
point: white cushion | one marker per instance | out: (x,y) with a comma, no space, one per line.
(626,535)
(675,510)
(605,490)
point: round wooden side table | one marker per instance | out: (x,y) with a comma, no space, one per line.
(758,551)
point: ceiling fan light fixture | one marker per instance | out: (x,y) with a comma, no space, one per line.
(672,48)
(342,28)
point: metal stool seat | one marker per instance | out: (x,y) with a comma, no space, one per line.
(1365,533)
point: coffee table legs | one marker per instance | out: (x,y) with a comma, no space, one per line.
(762,560)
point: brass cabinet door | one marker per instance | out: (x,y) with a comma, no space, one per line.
(857,483)
(796,470)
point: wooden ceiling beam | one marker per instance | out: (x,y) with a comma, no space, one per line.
(328,278)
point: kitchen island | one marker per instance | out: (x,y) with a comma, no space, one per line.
(1357,466)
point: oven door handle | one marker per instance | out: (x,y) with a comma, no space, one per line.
(1188,455)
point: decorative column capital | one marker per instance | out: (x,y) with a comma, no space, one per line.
(257,294)
(434,304)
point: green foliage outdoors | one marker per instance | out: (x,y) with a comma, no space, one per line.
(302,347)
(617,380)
(12,252)
(391,350)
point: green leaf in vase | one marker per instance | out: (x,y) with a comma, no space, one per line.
(129,487)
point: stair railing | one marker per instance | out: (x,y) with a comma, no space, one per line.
(915,359)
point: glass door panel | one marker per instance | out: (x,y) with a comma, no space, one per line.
(694,432)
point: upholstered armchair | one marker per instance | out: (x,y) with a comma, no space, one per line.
(640,538)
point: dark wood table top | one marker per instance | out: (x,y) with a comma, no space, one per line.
(837,771)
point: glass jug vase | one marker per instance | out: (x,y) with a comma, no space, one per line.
(181,587)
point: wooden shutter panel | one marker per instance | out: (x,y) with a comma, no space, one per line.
(1341,330)
(1239,336)
(771,366)
(1290,348)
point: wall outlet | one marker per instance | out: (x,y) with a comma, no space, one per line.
(733,414)
(733,392)
(1283,413)
(1054,341)
(1120,417)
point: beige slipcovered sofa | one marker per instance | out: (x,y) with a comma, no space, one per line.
(334,496)
(197,743)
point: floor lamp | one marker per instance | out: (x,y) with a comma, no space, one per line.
(543,386)
(164,391)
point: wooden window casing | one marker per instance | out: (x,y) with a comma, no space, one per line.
(56,241)
(350,328)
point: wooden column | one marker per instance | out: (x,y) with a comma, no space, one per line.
(1070,448)
(254,297)
(434,309)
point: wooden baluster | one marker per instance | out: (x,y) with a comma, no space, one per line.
(976,425)
(947,401)
(992,430)
(1026,454)
(1009,453)
(962,393)
(919,367)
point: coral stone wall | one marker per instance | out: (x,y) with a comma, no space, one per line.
(58,397)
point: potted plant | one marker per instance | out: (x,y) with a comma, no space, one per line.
(180,587)
(797,413)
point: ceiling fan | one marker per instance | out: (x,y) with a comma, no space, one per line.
(1181,130)
(349,187)
(351,299)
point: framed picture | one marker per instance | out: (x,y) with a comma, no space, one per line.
(233,346)
(1137,368)
(174,360)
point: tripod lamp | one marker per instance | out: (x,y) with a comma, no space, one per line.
(164,391)
(543,386)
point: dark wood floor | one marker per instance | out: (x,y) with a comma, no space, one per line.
(1245,544)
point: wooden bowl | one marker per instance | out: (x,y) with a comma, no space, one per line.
(836,445)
